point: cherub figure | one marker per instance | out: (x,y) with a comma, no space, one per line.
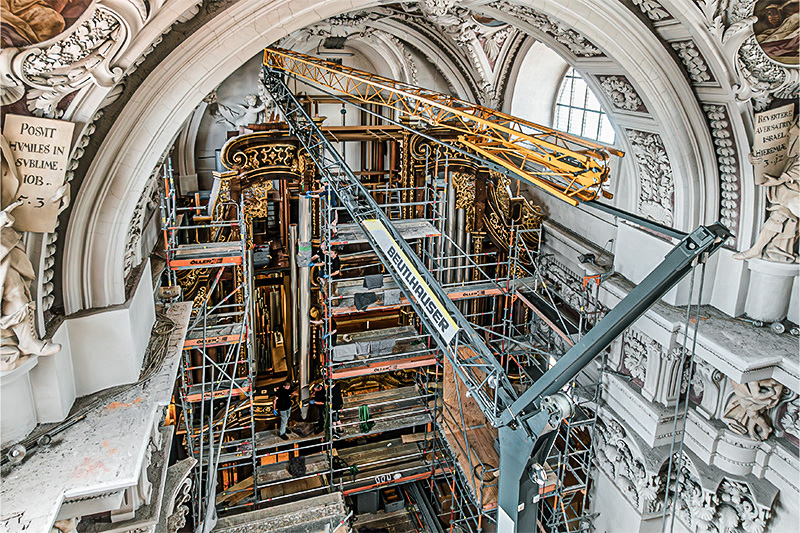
(242,115)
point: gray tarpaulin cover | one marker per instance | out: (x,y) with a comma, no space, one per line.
(362,300)
(344,352)
(303,253)
(391,297)
(373,281)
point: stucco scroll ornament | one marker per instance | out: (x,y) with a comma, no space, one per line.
(635,352)
(17,326)
(760,78)
(778,239)
(69,63)
(737,509)
(453,19)
(624,465)
(177,519)
(560,32)
(656,182)
(409,65)
(652,9)
(790,421)
(11,88)
(746,410)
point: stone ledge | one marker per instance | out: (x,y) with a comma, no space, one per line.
(147,515)
(739,350)
(102,454)
(308,515)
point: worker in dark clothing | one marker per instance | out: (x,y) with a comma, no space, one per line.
(320,253)
(319,402)
(336,272)
(337,402)
(282,405)
(328,194)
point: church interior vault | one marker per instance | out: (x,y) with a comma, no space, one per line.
(425,265)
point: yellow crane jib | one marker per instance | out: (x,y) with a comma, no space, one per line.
(569,167)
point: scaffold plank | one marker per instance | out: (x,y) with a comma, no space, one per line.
(215,336)
(395,522)
(217,390)
(389,410)
(410,229)
(345,304)
(278,472)
(364,368)
(205,255)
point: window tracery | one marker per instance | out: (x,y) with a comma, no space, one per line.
(578,111)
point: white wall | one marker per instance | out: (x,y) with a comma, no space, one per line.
(108,345)
(537,84)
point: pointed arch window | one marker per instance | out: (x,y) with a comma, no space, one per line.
(579,112)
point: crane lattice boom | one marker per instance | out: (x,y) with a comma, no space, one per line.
(571,168)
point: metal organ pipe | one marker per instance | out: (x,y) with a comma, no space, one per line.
(292,353)
(467,271)
(304,308)
(459,238)
(449,225)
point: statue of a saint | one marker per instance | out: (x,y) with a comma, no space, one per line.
(17,328)
(779,237)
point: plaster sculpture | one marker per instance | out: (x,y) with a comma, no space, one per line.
(777,241)
(66,526)
(16,314)
(745,412)
(242,114)
(16,274)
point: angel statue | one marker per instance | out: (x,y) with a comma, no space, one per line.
(779,237)
(240,115)
(17,328)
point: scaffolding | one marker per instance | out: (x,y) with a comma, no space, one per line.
(421,410)
(217,368)
(454,466)
(560,307)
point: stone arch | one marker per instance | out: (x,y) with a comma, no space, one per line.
(632,47)
(450,70)
(150,121)
(145,128)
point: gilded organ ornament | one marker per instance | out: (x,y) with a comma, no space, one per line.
(256,200)
(505,212)
(261,155)
(464,183)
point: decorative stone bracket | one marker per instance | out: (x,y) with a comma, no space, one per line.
(705,496)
